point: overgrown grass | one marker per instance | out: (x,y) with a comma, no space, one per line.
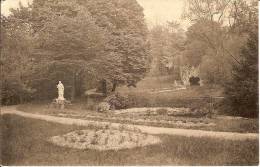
(24,143)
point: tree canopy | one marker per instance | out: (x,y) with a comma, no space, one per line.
(80,42)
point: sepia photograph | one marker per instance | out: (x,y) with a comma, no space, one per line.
(129,83)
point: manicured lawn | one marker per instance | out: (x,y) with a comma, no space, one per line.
(24,143)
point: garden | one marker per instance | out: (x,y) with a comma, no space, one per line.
(25,138)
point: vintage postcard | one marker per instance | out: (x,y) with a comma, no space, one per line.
(129,82)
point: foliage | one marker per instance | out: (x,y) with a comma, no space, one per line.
(219,29)
(78,43)
(167,45)
(103,106)
(236,14)
(16,62)
(64,45)
(118,101)
(127,49)
(242,91)
(213,50)
(14,92)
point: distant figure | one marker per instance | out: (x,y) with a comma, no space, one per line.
(60,91)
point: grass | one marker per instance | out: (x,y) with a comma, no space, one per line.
(142,97)
(24,143)
(233,125)
(192,97)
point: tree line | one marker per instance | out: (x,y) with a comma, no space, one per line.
(81,43)
(219,46)
(78,42)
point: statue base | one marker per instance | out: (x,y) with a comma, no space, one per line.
(59,103)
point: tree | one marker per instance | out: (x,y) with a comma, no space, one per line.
(219,30)
(16,45)
(82,42)
(167,46)
(233,13)
(65,45)
(242,91)
(127,51)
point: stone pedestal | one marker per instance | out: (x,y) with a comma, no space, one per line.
(58,103)
(61,103)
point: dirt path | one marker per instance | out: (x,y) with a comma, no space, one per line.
(145,129)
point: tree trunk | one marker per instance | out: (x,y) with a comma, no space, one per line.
(114,86)
(104,87)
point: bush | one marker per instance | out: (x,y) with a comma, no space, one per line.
(117,101)
(15,92)
(103,106)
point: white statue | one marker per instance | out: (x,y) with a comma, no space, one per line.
(60,91)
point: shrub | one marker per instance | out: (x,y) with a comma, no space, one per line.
(117,101)
(103,106)
(15,92)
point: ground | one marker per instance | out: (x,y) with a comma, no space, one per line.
(220,123)
(27,145)
(26,141)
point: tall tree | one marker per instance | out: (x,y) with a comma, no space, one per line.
(128,45)
(242,91)
(219,26)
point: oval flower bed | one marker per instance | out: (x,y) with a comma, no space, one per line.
(104,139)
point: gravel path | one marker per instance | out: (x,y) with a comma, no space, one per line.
(145,129)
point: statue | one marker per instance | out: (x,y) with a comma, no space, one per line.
(60,91)
(60,101)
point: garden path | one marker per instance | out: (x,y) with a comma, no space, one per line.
(144,129)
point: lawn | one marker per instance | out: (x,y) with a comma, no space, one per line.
(192,97)
(222,123)
(24,143)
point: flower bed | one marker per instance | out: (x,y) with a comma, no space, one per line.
(162,111)
(104,139)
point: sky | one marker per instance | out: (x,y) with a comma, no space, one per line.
(155,11)
(161,11)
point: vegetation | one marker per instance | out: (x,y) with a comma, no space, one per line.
(213,49)
(77,42)
(82,43)
(242,91)
(177,78)
(25,141)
